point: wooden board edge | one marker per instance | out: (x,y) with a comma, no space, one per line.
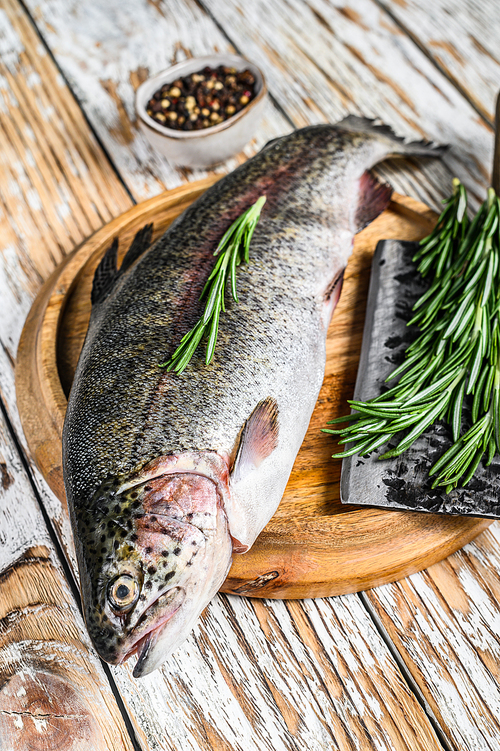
(276,565)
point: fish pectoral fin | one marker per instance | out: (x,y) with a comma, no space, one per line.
(258,439)
(139,245)
(107,273)
(374,197)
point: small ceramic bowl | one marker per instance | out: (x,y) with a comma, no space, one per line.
(202,148)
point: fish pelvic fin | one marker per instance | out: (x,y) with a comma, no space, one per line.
(107,273)
(401,147)
(374,197)
(258,440)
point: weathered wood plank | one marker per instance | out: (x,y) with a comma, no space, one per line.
(53,690)
(106,50)
(50,194)
(445,623)
(56,185)
(462,37)
(260,675)
(330,58)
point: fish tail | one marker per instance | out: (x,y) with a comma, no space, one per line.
(400,146)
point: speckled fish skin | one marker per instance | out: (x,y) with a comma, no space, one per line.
(167,475)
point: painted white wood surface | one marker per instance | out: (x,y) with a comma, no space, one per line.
(273,675)
(446,624)
(254,674)
(107,49)
(462,37)
(56,188)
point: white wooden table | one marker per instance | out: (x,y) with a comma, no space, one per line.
(410,665)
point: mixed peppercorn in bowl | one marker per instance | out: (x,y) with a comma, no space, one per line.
(202,99)
(202,111)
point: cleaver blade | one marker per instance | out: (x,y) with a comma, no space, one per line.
(403,482)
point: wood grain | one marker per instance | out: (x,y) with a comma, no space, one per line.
(261,675)
(53,691)
(445,622)
(107,50)
(313,546)
(322,63)
(462,37)
(331,57)
(50,193)
(56,187)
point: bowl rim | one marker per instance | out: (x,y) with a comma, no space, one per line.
(196,62)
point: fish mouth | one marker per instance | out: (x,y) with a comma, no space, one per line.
(148,634)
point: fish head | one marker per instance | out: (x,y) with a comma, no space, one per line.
(154,555)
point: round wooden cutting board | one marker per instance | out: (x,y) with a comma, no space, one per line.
(313,546)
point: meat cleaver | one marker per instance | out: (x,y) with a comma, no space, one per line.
(403,482)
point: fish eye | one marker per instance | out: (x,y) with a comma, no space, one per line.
(123,593)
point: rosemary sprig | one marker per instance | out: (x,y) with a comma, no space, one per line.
(457,352)
(232,250)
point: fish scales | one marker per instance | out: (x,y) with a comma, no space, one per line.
(156,463)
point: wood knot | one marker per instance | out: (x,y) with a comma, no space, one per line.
(43,712)
(250,587)
(6,479)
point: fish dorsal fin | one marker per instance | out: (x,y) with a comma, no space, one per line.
(374,197)
(105,274)
(140,243)
(259,438)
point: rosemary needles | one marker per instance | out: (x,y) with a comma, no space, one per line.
(232,250)
(456,354)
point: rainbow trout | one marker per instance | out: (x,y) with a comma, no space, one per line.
(168,475)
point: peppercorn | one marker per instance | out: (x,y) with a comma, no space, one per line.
(202,99)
